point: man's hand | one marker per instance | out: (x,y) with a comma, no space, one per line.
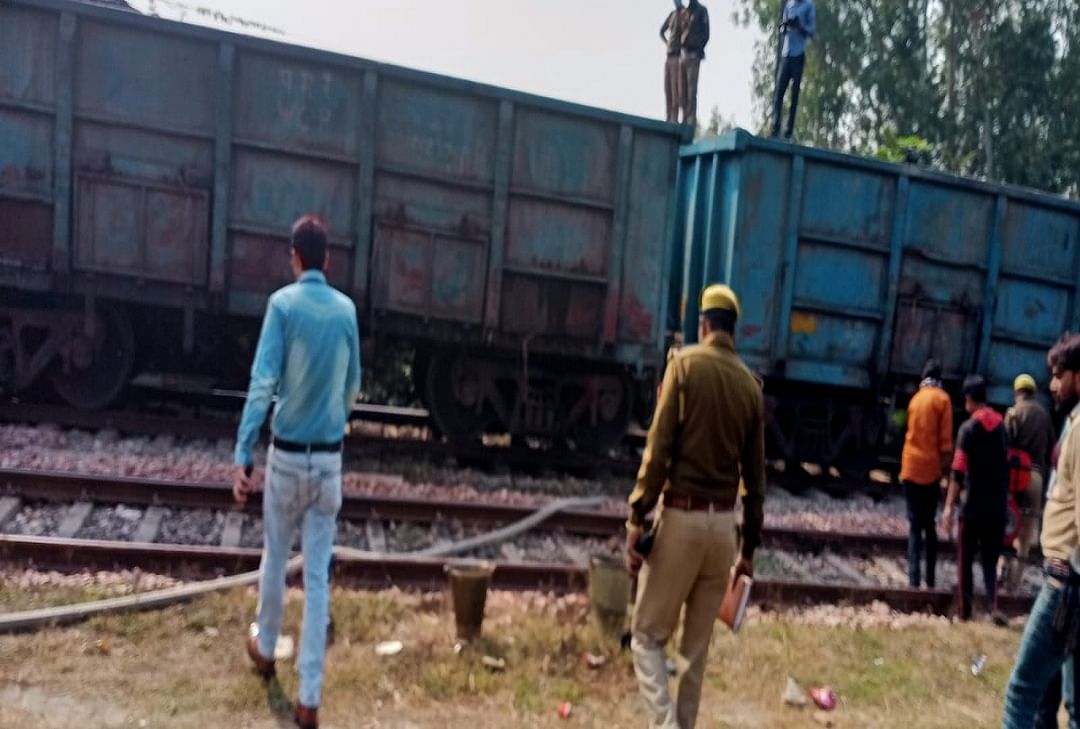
(947,519)
(634,559)
(744,567)
(243,486)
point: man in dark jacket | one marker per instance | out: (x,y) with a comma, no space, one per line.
(671,34)
(980,472)
(695,37)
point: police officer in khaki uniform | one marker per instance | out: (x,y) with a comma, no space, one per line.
(708,431)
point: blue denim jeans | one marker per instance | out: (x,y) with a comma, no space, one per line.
(303,491)
(1041,657)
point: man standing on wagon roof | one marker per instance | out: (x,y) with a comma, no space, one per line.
(695,36)
(671,34)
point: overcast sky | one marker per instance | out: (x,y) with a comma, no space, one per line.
(604,53)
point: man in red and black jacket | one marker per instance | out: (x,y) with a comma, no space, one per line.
(980,476)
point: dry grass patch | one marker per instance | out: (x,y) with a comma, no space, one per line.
(185,667)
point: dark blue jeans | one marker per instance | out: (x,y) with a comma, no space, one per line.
(922,501)
(1040,659)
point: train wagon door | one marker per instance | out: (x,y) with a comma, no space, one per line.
(925,329)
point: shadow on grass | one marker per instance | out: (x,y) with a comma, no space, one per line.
(280,706)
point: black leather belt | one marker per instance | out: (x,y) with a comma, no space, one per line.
(292,447)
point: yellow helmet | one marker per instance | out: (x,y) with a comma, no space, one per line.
(1024,382)
(719,296)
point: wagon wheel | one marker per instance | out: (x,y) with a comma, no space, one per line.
(94,370)
(602,423)
(8,350)
(455,396)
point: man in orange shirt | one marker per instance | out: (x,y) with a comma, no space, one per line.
(925,459)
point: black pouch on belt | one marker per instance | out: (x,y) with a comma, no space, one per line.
(645,544)
(1067,617)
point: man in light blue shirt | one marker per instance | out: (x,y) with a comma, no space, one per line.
(309,356)
(799,24)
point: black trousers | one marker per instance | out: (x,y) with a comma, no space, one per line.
(791,70)
(922,502)
(982,538)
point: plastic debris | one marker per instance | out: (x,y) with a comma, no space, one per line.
(793,694)
(97,648)
(824,697)
(977,664)
(285,648)
(495,664)
(592,660)
(879,662)
(564,710)
(389,648)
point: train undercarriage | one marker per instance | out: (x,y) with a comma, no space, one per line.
(89,351)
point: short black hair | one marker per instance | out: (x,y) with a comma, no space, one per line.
(932,369)
(309,242)
(1065,355)
(721,320)
(975,387)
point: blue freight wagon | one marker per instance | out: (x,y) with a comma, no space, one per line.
(852,272)
(150,170)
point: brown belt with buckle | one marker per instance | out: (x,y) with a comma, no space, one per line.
(689,502)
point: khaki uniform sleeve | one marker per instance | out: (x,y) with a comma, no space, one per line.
(658,447)
(753,476)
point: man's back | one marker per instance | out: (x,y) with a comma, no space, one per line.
(1030,429)
(309,356)
(929,435)
(319,325)
(981,447)
(723,406)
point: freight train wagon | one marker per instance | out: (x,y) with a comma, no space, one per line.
(150,171)
(852,272)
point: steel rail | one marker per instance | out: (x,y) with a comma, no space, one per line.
(191,562)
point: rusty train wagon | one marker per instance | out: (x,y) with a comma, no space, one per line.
(150,170)
(853,272)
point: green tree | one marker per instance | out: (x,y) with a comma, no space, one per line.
(718,124)
(990,85)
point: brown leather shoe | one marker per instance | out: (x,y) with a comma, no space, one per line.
(263,666)
(306,717)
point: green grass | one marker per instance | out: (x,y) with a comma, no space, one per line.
(185,667)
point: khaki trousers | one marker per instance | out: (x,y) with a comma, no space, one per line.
(689,567)
(1029,533)
(673,87)
(691,64)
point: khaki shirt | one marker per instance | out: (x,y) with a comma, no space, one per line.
(1061,514)
(1030,430)
(719,438)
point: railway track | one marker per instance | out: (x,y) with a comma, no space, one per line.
(367,436)
(785,547)
(191,562)
(32,485)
